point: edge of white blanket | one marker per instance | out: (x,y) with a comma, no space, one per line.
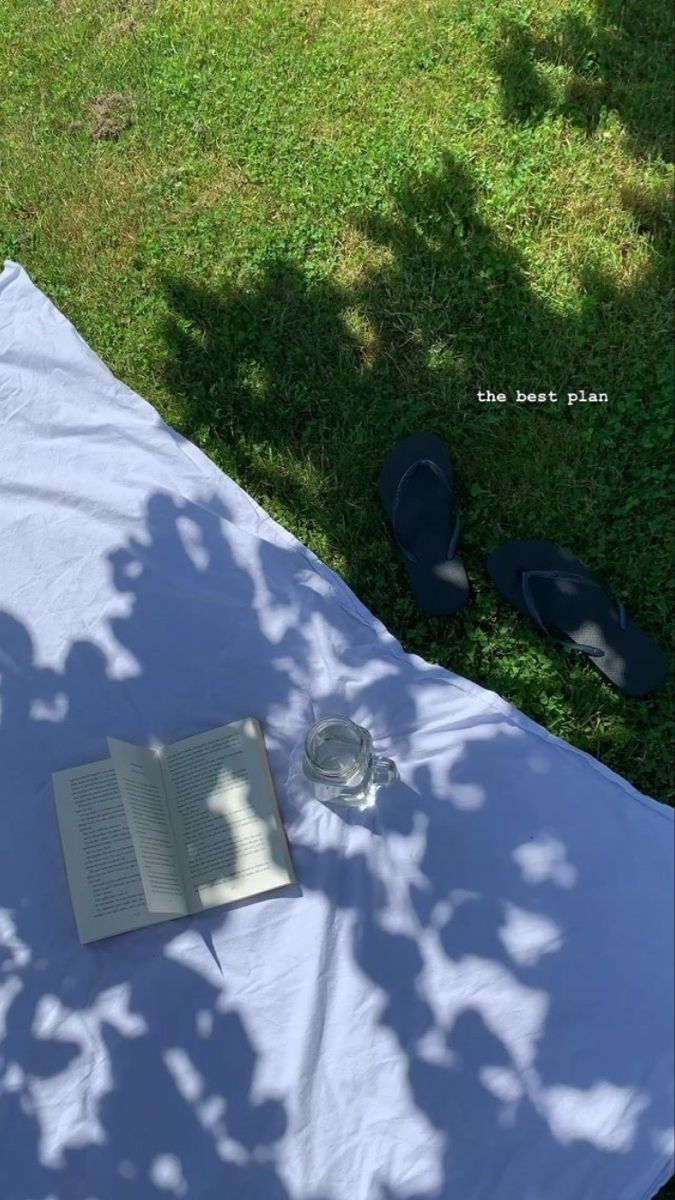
(340,590)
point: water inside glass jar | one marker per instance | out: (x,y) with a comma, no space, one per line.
(341,765)
(336,750)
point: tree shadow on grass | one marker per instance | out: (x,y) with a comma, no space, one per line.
(620,60)
(300,385)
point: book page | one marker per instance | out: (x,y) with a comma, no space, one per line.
(103,876)
(139,776)
(226,815)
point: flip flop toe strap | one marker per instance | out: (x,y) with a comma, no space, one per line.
(526,578)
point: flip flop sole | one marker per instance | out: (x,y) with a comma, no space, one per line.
(630,659)
(441,587)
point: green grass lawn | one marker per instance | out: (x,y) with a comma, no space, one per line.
(304,230)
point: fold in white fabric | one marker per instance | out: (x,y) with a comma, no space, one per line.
(469,994)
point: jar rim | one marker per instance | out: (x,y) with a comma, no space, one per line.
(345,773)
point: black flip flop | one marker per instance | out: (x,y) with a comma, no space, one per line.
(562,597)
(418,495)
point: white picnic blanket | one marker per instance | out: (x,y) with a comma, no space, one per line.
(470,994)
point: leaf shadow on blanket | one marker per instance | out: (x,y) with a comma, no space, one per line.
(154,1063)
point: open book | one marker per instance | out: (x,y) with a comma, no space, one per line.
(150,835)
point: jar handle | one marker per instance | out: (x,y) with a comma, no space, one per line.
(384,771)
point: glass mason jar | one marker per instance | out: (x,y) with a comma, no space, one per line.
(340,763)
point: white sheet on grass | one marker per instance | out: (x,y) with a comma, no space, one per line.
(469,997)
